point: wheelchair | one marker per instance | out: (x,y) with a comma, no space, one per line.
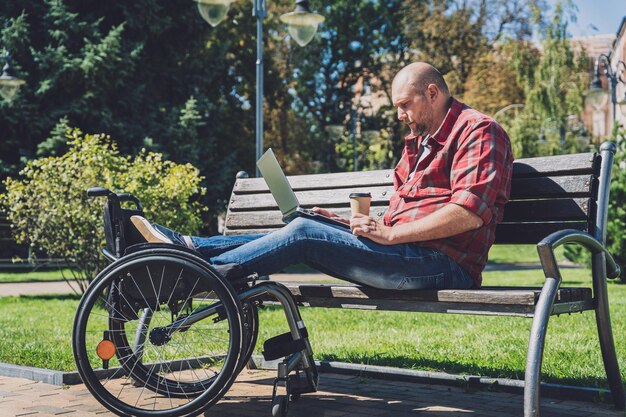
(161,332)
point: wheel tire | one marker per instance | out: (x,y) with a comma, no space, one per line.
(177,376)
(279,406)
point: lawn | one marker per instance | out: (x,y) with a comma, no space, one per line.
(36,331)
(34,276)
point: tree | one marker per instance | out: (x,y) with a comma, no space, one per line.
(454,34)
(492,83)
(553,90)
(149,72)
(359,40)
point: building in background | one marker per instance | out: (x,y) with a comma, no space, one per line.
(599,120)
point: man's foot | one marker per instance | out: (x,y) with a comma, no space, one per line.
(154,233)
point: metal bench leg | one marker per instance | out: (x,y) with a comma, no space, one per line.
(536,345)
(142,331)
(603,320)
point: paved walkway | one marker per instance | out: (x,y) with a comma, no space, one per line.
(61,287)
(339,396)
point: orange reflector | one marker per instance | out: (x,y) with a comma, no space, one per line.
(105,350)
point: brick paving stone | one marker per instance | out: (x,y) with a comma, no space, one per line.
(339,396)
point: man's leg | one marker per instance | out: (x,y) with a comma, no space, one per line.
(206,246)
(338,252)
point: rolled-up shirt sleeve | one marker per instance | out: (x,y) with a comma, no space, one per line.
(480,171)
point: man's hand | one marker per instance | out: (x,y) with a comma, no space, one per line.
(330,214)
(362,225)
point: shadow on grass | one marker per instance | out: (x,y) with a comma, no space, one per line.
(458,367)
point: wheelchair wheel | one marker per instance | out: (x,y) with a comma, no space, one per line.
(158,333)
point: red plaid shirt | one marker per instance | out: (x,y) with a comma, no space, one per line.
(469,164)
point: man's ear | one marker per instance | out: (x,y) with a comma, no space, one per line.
(432,92)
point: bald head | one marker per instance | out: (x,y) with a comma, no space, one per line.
(419,75)
(421,96)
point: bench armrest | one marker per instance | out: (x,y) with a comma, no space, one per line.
(548,244)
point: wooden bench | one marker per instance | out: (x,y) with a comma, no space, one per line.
(554,200)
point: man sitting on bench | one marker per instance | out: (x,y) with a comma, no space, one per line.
(451,184)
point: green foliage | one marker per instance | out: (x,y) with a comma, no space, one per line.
(554,96)
(493,69)
(132,70)
(50,211)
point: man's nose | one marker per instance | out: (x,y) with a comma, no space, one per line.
(401,114)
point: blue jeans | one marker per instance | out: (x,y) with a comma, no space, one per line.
(337,252)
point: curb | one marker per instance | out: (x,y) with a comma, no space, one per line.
(47,376)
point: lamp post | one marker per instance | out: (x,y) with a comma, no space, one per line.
(596,95)
(9,85)
(543,128)
(302,26)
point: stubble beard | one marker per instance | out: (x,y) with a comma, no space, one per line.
(421,128)
(418,129)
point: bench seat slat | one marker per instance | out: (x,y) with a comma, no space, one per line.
(486,295)
(514,301)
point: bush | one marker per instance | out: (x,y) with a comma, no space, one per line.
(50,211)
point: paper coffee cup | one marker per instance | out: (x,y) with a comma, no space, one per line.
(360,203)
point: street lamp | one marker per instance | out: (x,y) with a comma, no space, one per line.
(596,95)
(302,26)
(543,128)
(9,85)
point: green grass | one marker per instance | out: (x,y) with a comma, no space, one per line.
(36,331)
(34,276)
(518,253)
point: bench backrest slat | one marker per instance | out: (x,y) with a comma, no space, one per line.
(321,181)
(309,198)
(547,194)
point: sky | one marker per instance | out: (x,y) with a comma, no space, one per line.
(596,17)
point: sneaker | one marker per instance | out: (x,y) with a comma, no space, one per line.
(154,233)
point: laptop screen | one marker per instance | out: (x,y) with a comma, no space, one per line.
(277,182)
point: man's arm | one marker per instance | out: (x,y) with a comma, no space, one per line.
(450,220)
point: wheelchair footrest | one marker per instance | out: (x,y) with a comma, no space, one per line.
(299,383)
(281,346)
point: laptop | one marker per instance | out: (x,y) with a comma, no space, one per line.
(283,193)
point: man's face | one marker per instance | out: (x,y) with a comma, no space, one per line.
(414,108)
